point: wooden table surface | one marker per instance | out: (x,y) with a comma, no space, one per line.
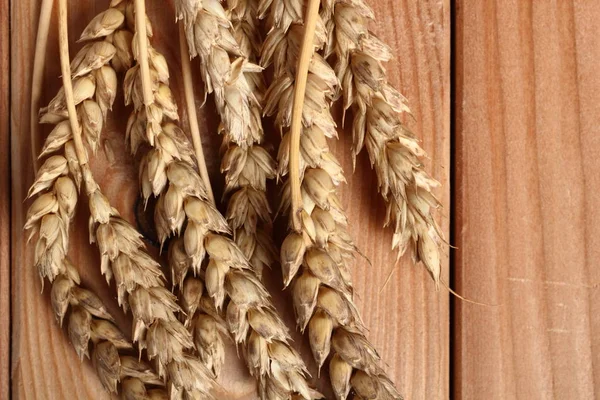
(506,99)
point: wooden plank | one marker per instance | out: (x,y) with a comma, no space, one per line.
(408,319)
(4,202)
(527,199)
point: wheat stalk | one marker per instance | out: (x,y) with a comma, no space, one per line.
(300,97)
(393,149)
(190,102)
(37,76)
(139,280)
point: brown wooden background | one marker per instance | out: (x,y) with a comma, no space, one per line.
(506,95)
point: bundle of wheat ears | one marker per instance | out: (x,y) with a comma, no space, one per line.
(289,60)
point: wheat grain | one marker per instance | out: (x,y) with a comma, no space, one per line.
(300,97)
(183,211)
(393,149)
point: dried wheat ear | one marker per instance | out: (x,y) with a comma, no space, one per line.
(89,324)
(393,149)
(316,253)
(200,246)
(139,280)
(227,43)
(49,218)
(169,160)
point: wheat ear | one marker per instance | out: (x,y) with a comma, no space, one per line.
(393,149)
(247,168)
(88,320)
(225,47)
(154,124)
(182,205)
(210,36)
(50,215)
(139,281)
(300,97)
(141,288)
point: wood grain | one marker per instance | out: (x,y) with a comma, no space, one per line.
(4,201)
(527,199)
(408,318)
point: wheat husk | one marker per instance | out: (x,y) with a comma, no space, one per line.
(394,151)
(246,29)
(201,247)
(317,250)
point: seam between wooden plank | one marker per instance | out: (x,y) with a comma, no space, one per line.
(452,214)
(5,228)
